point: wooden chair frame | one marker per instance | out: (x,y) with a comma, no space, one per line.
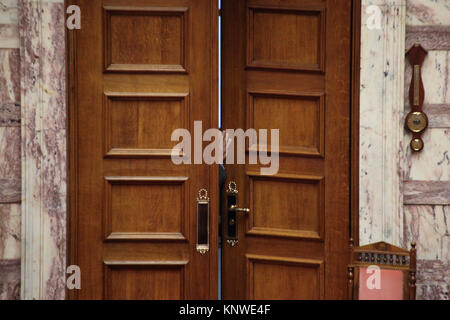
(385,256)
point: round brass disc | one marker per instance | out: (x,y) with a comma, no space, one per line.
(417,145)
(416,122)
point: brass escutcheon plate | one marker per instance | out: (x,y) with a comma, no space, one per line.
(416,122)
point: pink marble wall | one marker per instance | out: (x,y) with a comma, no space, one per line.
(32,149)
(44,128)
(381,123)
(426,213)
(10,163)
(433,280)
(9,279)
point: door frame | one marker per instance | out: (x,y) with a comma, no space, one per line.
(355,120)
(71,226)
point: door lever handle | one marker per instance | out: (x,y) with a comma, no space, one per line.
(234,208)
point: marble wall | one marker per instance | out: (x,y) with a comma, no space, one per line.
(405,196)
(10,140)
(32,149)
(381,121)
(426,216)
(44,152)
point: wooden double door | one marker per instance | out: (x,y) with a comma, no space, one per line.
(139,69)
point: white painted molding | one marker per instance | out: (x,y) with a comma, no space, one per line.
(381,124)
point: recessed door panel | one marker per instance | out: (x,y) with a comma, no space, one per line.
(286,206)
(297,279)
(300,114)
(146,39)
(144,281)
(139,124)
(139,208)
(285,37)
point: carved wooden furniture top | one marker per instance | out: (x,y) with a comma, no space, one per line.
(381,253)
(384,256)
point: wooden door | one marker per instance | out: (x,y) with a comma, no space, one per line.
(139,70)
(286,65)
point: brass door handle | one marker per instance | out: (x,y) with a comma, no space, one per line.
(202,222)
(232,211)
(234,208)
